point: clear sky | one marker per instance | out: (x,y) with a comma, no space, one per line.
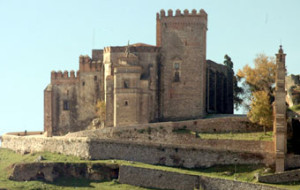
(37,37)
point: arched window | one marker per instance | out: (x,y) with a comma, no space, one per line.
(176,72)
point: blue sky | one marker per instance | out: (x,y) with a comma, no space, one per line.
(37,37)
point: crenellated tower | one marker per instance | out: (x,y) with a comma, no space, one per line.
(280,124)
(182,38)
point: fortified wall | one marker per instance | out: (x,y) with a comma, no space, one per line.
(207,154)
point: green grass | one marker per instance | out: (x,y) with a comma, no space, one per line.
(295,108)
(258,136)
(7,157)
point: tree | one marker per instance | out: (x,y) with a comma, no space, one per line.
(237,91)
(101,110)
(262,76)
(260,81)
(261,110)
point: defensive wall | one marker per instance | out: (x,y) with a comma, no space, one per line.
(133,175)
(182,132)
(152,178)
(207,153)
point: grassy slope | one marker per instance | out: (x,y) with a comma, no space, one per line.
(8,157)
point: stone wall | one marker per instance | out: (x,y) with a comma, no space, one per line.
(70,101)
(179,155)
(151,178)
(284,177)
(292,87)
(219,88)
(206,154)
(292,161)
(183,65)
(165,130)
(137,176)
(38,143)
(52,171)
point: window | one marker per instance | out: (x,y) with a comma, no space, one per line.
(95,78)
(83,83)
(126,103)
(176,65)
(126,84)
(66,105)
(176,77)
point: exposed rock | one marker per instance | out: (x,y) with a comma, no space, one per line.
(51,171)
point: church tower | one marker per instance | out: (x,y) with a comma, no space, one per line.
(182,71)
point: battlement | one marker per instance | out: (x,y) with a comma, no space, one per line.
(64,77)
(132,48)
(178,13)
(86,64)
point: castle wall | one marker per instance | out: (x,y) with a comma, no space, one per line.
(183,59)
(293,95)
(70,100)
(152,153)
(127,98)
(219,92)
(141,95)
(161,179)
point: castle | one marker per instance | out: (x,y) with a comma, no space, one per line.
(143,83)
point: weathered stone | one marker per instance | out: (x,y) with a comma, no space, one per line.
(151,178)
(51,171)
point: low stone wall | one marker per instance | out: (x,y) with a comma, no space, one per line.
(38,143)
(292,161)
(222,124)
(207,153)
(51,171)
(284,177)
(25,133)
(151,178)
(178,155)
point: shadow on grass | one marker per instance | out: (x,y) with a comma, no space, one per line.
(73,182)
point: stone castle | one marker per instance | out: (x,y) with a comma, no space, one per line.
(143,83)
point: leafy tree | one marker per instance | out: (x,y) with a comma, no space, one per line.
(260,82)
(237,91)
(101,110)
(262,76)
(261,110)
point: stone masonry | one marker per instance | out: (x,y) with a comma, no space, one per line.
(280,124)
(143,83)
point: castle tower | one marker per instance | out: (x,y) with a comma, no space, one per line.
(280,124)
(182,38)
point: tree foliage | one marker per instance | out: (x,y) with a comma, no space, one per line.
(237,91)
(101,110)
(262,76)
(260,109)
(260,81)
